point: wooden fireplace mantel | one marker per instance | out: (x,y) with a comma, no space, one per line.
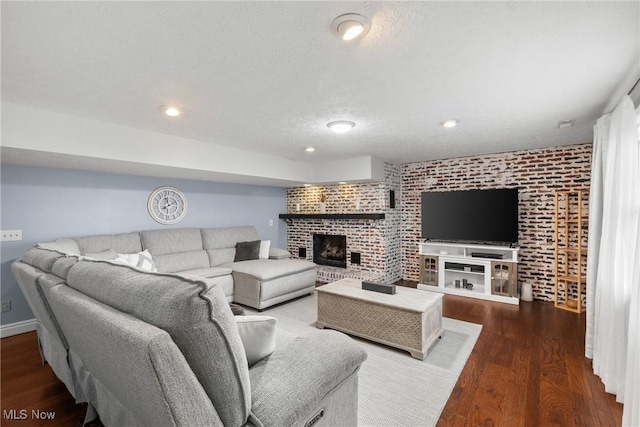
(371,216)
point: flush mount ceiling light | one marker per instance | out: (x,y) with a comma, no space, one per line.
(309,149)
(341,126)
(350,26)
(169,110)
(451,123)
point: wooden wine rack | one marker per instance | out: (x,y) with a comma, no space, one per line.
(571,222)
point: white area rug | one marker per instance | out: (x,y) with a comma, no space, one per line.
(396,389)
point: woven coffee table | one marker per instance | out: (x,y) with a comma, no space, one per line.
(410,320)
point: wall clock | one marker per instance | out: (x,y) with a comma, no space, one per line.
(167,205)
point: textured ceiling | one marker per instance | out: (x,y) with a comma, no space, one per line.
(268,76)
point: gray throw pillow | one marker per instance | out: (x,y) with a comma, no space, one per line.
(247,250)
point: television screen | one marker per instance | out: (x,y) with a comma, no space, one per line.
(472,215)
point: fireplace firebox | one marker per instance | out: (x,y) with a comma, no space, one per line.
(330,249)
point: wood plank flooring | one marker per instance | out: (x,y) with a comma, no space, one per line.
(527,369)
(29,386)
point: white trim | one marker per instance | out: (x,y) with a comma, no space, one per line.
(466,293)
(18,328)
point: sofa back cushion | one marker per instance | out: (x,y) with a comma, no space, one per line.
(62,266)
(64,246)
(196,315)
(125,243)
(42,259)
(220,243)
(176,249)
(131,371)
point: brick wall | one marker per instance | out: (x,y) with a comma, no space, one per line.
(537,174)
(378,241)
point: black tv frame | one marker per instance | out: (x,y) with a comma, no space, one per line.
(481,216)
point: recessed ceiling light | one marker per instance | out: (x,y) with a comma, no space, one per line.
(341,126)
(451,123)
(349,30)
(566,123)
(350,26)
(309,149)
(169,110)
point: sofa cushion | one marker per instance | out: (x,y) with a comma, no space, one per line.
(214,276)
(64,246)
(284,390)
(41,258)
(62,266)
(176,249)
(220,243)
(196,315)
(207,272)
(171,241)
(105,255)
(268,269)
(247,250)
(277,253)
(172,263)
(258,335)
(227,237)
(223,282)
(218,257)
(125,243)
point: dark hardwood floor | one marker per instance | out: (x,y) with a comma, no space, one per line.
(29,386)
(527,369)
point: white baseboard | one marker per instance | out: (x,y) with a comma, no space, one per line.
(17,328)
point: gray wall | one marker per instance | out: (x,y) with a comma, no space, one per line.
(47,204)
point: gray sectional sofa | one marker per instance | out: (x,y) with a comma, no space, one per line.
(163,348)
(207,253)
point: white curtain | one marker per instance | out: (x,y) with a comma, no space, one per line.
(613,261)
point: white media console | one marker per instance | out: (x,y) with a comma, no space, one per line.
(470,270)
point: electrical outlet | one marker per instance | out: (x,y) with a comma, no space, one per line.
(10,235)
(6,306)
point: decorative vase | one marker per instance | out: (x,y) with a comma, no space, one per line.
(323,207)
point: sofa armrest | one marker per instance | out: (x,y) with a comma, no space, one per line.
(297,376)
(277,253)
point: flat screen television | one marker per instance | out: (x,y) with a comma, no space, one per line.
(489,216)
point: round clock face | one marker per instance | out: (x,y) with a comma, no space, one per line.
(167,205)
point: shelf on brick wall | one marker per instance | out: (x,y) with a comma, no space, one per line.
(373,216)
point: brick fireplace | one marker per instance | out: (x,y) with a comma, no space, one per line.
(376,241)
